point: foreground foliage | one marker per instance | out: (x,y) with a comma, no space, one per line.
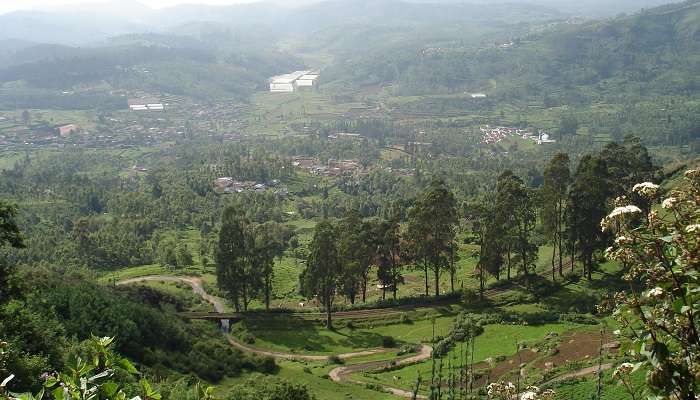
(660,313)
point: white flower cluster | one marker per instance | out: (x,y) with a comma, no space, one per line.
(622,240)
(669,203)
(606,223)
(623,370)
(693,228)
(655,292)
(646,189)
(501,390)
(507,391)
(692,173)
(534,393)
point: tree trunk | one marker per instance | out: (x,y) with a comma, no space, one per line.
(452,280)
(364,289)
(237,304)
(268,285)
(329,323)
(554,253)
(573,256)
(508,251)
(481,282)
(425,271)
(561,256)
(245,298)
(437,281)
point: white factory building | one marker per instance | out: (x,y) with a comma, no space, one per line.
(146,105)
(291,82)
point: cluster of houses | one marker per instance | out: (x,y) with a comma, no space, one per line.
(493,135)
(228,185)
(333,168)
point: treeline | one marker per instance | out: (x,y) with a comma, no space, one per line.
(509,224)
(80,209)
(569,206)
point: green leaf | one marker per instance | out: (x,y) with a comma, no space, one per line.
(667,239)
(110,389)
(58,393)
(677,305)
(128,366)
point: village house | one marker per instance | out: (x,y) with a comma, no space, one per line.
(67,130)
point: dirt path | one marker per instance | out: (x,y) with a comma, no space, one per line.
(582,372)
(197,287)
(194,282)
(290,356)
(341,374)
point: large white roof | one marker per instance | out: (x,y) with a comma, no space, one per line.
(288,78)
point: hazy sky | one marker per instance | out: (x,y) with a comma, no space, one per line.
(12,5)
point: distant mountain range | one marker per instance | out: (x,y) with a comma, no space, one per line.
(87,24)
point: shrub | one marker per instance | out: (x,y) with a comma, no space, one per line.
(388,342)
(334,359)
(470,296)
(572,277)
(375,387)
(407,350)
(248,338)
(265,365)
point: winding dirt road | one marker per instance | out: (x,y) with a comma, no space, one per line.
(197,287)
(340,374)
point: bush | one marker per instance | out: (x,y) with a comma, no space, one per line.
(334,359)
(470,296)
(248,338)
(375,387)
(266,365)
(572,277)
(408,350)
(388,342)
